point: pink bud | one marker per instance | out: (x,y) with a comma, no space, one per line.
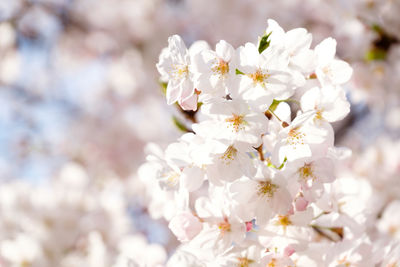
(301,204)
(185,226)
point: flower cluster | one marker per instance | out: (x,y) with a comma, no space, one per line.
(252,183)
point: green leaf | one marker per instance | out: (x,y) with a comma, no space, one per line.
(239,72)
(264,43)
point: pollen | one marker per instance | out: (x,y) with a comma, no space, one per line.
(307,171)
(272,263)
(266,188)
(344,262)
(259,76)
(171,178)
(224,226)
(318,115)
(244,262)
(295,137)
(229,154)
(327,70)
(236,122)
(180,71)
(221,67)
(284,220)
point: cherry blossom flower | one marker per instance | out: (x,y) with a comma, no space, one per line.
(330,70)
(174,67)
(263,76)
(260,197)
(329,103)
(302,139)
(232,121)
(215,70)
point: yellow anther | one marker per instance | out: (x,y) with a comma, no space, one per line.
(237,122)
(221,67)
(266,188)
(229,154)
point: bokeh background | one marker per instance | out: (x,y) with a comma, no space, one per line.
(80,99)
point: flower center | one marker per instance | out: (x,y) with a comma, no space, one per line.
(236,121)
(307,172)
(229,154)
(180,71)
(344,262)
(318,115)
(327,70)
(266,188)
(221,68)
(272,263)
(284,220)
(259,76)
(224,226)
(170,178)
(295,137)
(244,262)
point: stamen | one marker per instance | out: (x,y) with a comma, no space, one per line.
(284,220)
(171,178)
(224,226)
(229,155)
(295,137)
(237,122)
(272,263)
(307,171)
(259,77)
(344,262)
(318,115)
(327,70)
(221,67)
(180,71)
(266,188)
(244,262)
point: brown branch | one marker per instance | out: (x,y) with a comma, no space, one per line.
(260,152)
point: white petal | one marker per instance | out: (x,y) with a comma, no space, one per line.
(224,50)
(340,71)
(326,51)
(310,99)
(192,178)
(173,92)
